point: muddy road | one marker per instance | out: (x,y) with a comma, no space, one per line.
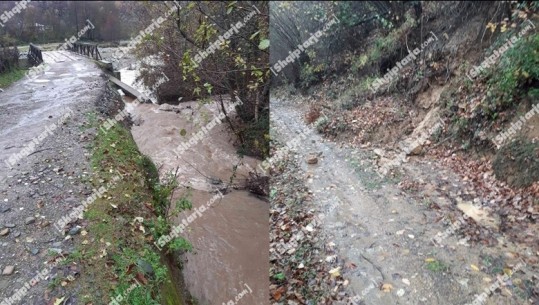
(385,236)
(37,189)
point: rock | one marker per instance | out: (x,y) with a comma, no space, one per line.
(138,121)
(55,250)
(4,209)
(29,220)
(378,152)
(312,160)
(4,232)
(34,251)
(9,225)
(17,234)
(145,267)
(415,149)
(166,107)
(214,180)
(74,231)
(8,270)
(57,244)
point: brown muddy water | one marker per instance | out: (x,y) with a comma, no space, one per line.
(230,238)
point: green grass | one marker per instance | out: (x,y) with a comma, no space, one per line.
(437,266)
(9,78)
(117,141)
(110,254)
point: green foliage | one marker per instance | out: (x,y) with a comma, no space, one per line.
(527,5)
(256,137)
(311,74)
(437,266)
(180,244)
(383,45)
(264,44)
(133,292)
(321,124)
(517,67)
(109,241)
(167,210)
(150,170)
(10,77)
(162,192)
(279,276)
(114,146)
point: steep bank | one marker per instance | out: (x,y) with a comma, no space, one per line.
(422,132)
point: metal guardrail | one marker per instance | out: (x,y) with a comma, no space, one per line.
(86,49)
(35,57)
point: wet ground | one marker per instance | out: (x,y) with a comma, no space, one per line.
(230,238)
(385,236)
(29,105)
(38,189)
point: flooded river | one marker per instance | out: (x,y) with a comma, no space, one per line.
(230,238)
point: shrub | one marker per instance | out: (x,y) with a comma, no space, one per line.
(518,67)
(313,114)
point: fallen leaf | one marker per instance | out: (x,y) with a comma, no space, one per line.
(278,293)
(474,267)
(430,260)
(59,301)
(140,277)
(386,287)
(335,272)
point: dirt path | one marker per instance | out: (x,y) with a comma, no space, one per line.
(385,235)
(37,190)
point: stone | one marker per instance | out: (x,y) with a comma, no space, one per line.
(8,270)
(312,160)
(4,232)
(166,107)
(214,180)
(29,220)
(4,209)
(74,231)
(9,225)
(145,267)
(55,250)
(416,150)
